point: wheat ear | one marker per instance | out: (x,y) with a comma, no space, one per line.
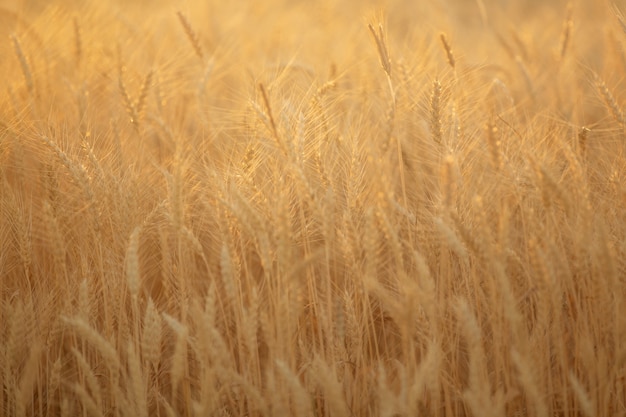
(620,17)
(610,102)
(494,144)
(179,357)
(448,49)
(90,379)
(583,397)
(435,113)
(381,45)
(272,120)
(19,52)
(26,389)
(55,240)
(566,35)
(78,42)
(151,335)
(105,348)
(140,103)
(583,133)
(191,35)
(529,383)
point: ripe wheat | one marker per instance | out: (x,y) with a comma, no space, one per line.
(275,208)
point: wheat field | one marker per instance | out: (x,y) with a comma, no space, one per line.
(312,208)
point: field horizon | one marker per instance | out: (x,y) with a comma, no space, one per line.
(324,208)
